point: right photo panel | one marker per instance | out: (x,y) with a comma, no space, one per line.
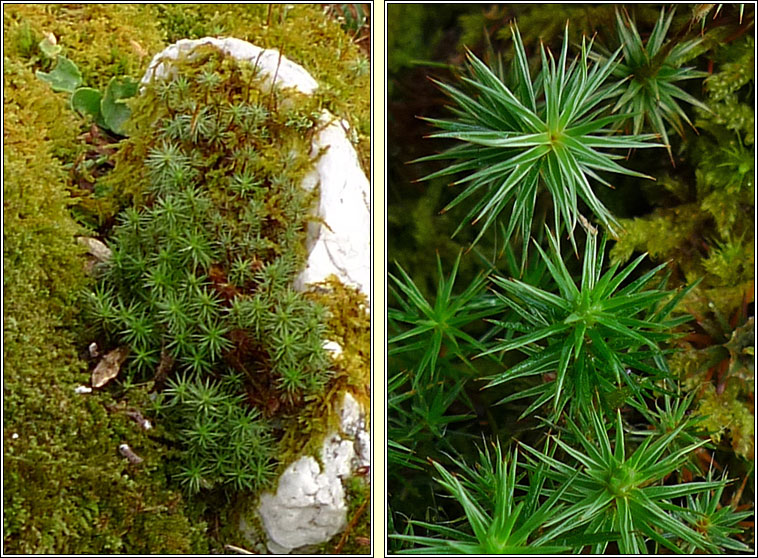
(571,278)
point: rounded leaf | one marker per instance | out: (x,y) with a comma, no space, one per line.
(114,110)
(64,77)
(49,47)
(86,100)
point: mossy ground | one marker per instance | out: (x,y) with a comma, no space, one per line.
(698,215)
(67,489)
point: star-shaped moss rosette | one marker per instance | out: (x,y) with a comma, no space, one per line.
(717,523)
(650,72)
(614,489)
(591,335)
(550,131)
(429,326)
(497,519)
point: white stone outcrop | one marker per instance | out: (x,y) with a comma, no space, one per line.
(309,504)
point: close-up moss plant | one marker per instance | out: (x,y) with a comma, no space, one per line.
(193,186)
(617,395)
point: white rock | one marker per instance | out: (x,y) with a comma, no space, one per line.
(333,347)
(95,248)
(343,246)
(363,449)
(309,505)
(351,416)
(83,389)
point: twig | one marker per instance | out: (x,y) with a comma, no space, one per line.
(353,521)
(237,549)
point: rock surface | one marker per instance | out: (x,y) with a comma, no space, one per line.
(309,505)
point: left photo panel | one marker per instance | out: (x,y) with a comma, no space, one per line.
(187,208)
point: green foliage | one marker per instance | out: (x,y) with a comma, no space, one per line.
(499,524)
(597,336)
(717,523)
(226,444)
(64,77)
(512,143)
(165,289)
(652,69)
(718,215)
(67,489)
(570,338)
(443,320)
(612,491)
(108,109)
(724,187)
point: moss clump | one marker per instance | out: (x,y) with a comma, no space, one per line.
(356,538)
(725,413)
(103,41)
(201,268)
(348,323)
(66,488)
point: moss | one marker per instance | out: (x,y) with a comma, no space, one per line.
(106,41)
(358,494)
(214,164)
(355,540)
(724,413)
(663,233)
(349,325)
(66,487)
(103,41)
(300,32)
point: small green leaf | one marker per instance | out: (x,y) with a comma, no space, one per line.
(64,77)
(114,109)
(49,48)
(87,101)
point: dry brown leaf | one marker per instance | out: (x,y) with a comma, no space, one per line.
(141,52)
(108,368)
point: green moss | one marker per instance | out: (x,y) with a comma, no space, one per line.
(349,325)
(355,540)
(201,268)
(67,489)
(300,32)
(665,232)
(724,413)
(103,41)
(358,495)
